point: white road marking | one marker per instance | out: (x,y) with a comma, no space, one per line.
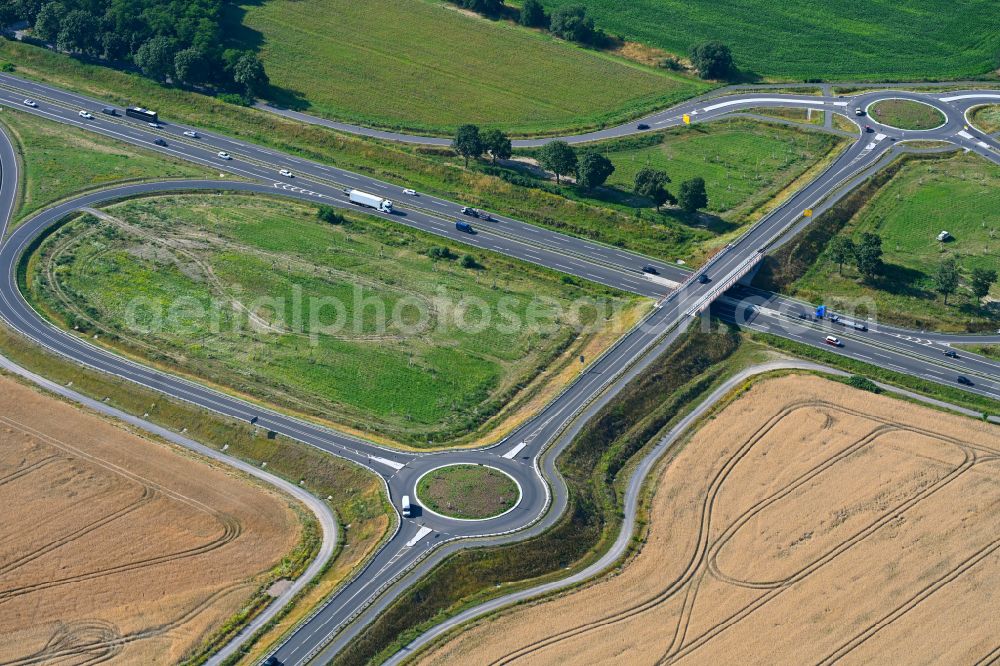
(965,135)
(660,280)
(758,100)
(975,96)
(514,451)
(421,533)
(385,461)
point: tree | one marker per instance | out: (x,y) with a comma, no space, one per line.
(78,32)
(594,169)
(156,58)
(692,195)
(497,144)
(488,7)
(981,281)
(571,22)
(946,278)
(713,60)
(467,142)
(868,255)
(652,183)
(468,261)
(191,66)
(48,23)
(533,15)
(558,157)
(841,250)
(249,73)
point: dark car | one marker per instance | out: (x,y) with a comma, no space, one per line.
(642,126)
(951,353)
(650,269)
(703,278)
(160,142)
(868,128)
(109,111)
(964,381)
(272,661)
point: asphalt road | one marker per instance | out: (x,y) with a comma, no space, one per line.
(526,454)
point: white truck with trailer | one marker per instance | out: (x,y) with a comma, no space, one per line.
(370,200)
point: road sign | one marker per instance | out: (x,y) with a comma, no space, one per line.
(807,212)
(687,119)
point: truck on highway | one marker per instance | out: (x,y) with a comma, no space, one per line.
(370,201)
(405,505)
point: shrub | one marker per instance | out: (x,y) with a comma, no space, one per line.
(330,215)
(441,252)
(863,383)
(233,98)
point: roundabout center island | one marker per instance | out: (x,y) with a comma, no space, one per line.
(468,492)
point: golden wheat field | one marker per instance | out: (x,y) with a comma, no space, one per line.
(808,522)
(116,549)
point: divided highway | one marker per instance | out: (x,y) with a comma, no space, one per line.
(528,453)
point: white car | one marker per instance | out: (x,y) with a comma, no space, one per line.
(30,102)
(224,155)
(192,134)
(85,114)
(154,125)
(286,173)
(412,193)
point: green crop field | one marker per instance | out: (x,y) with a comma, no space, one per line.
(744,163)
(355,323)
(883,40)
(58,161)
(906,114)
(960,195)
(420,64)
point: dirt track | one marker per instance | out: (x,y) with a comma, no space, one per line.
(115,549)
(808,523)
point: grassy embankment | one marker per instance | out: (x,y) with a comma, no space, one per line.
(987,118)
(958,194)
(427,169)
(834,40)
(257,295)
(595,467)
(467,491)
(906,114)
(424,66)
(59,161)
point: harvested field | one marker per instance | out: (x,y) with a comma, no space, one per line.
(809,522)
(116,549)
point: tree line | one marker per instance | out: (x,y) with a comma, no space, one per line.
(590,168)
(712,59)
(866,255)
(179,41)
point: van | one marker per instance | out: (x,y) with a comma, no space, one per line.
(830,340)
(464,226)
(405,506)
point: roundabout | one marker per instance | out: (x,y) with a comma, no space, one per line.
(906,114)
(467,492)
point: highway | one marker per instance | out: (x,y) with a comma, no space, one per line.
(528,453)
